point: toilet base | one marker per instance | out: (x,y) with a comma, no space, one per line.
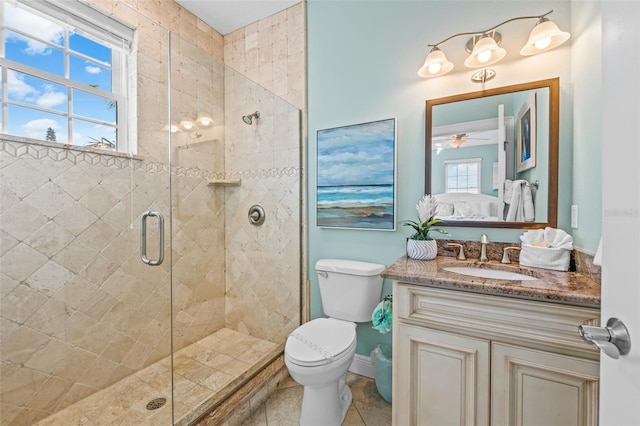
(323,406)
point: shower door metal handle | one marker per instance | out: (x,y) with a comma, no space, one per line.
(143,238)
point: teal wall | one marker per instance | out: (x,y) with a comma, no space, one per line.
(587,126)
(362,62)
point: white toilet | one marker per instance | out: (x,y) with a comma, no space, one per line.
(319,352)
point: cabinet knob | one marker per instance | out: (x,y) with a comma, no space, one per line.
(614,339)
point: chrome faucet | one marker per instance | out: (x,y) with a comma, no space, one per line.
(505,254)
(461,255)
(484,240)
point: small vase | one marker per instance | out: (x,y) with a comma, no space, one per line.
(422,249)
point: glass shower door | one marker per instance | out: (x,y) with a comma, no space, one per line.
(85,324)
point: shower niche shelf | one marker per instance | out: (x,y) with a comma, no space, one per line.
(223,182)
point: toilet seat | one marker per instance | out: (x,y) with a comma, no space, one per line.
(320,341)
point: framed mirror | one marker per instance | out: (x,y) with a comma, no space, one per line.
(492,156)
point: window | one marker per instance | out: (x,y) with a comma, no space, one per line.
(64,74)
(463,175)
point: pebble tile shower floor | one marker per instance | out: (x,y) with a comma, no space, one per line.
(203,370)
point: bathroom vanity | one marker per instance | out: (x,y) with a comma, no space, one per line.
(485,351)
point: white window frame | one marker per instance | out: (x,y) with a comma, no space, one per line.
(79,17)
(477,161)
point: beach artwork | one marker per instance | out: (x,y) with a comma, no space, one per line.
(356,176)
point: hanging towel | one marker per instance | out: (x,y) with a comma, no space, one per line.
(516,210)
(381,316)
(520,202)
(508,188)
(527,204)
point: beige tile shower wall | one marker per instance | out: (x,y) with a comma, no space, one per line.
(79,310)
(263,262)
(197,89)
(271,52)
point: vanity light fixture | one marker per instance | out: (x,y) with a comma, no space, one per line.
(436,64)
(173,128)
(484,48)
(545,36)
(205,121)
(485,51)
(191,127)
(187,125)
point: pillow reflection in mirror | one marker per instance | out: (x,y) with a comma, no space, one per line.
(484,209)
(444,209)
(462,209)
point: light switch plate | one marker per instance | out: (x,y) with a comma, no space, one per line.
(574,216)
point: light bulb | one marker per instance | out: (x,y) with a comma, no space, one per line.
(205,120)
(187,125)
(543,43)
(484,56)
(435,68)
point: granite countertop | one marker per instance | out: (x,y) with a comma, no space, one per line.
(569,288)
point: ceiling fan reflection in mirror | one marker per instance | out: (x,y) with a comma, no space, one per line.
(459,139)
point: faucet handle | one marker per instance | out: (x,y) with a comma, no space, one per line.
(461,255)
(505,255)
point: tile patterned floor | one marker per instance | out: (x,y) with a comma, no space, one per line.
(282,408)
(203,370)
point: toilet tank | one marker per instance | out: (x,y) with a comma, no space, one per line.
(349,289)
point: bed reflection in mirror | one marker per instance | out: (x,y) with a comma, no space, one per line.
(490,158)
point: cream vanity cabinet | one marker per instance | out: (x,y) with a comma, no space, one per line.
(462,358)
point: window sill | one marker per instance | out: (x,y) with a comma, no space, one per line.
(21,139)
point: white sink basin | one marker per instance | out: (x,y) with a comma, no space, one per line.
(495,274)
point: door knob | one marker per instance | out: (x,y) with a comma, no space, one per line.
(613,340)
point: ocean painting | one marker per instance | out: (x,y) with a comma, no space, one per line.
(356,176)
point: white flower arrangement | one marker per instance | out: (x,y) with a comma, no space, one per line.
(426,216)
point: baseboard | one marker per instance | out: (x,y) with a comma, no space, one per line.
(363,366)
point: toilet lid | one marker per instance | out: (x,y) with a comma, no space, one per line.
(320,341)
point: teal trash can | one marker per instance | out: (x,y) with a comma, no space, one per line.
(381,358)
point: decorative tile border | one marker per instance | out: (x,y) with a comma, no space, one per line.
(40,150)
(264,173)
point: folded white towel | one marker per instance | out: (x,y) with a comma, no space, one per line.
(547,248)
(558,237)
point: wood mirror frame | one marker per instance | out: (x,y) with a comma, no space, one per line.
(554,127)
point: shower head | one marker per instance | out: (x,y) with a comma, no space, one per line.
(248,119)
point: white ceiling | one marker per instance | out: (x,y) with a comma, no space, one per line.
(226,16)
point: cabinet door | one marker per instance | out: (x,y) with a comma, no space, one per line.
(446,377)
(531,388)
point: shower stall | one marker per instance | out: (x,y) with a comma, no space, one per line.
(91,334)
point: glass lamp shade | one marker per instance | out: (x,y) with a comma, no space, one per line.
(457,142)
(435,65)
(485,52)
(545,36)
